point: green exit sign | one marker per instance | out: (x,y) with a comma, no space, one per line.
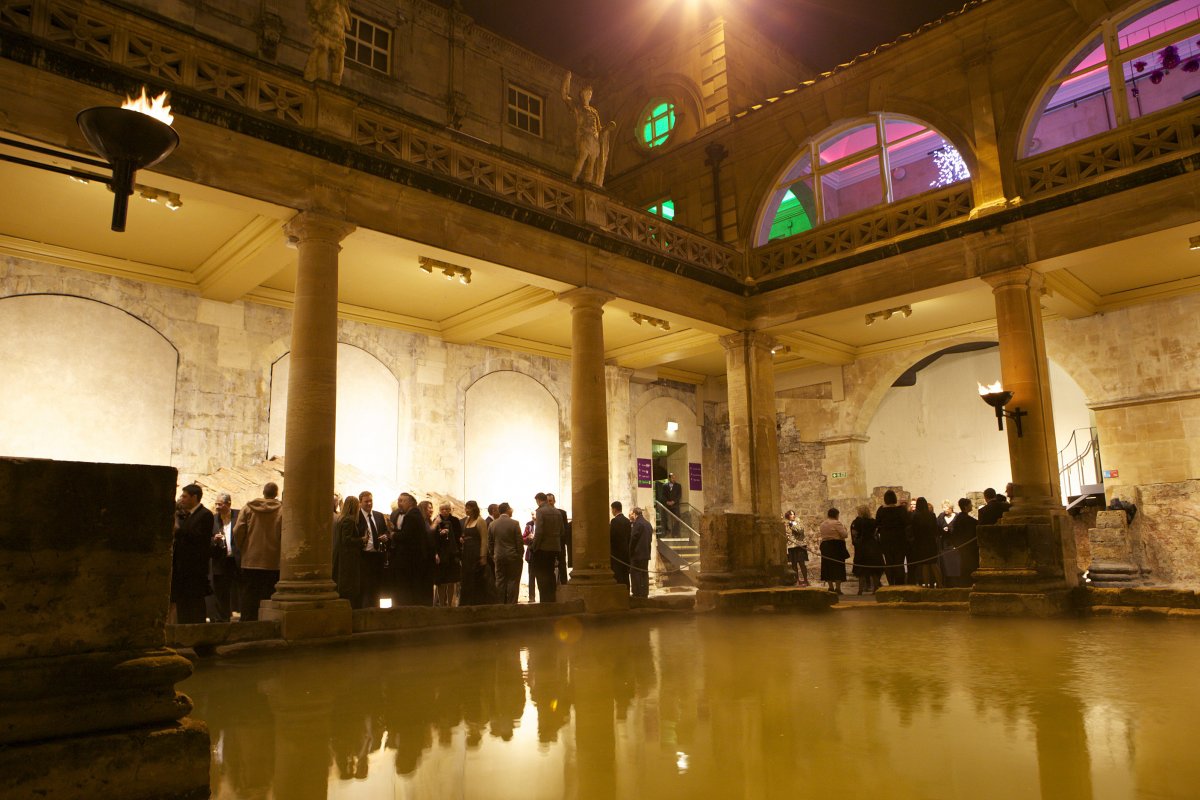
(838,475)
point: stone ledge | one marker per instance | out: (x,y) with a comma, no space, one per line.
(1140,596)
(370,620)
(666,602)
(1144,612)
(950,605)
(921,594)
(211,634)
(778,599)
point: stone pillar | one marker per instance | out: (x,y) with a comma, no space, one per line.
(88,706)
(306,599)
(745,548)
(846,458)
(1027,562)
(753,440)
(591,578)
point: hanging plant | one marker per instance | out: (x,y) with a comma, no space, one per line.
(1156,77)
(1191,65)
(1139,65)
(1169,57)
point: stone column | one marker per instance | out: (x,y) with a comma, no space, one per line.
(744,548)
(306,598)
(1027,562)
(1025,372)
(753,440)
(591,578)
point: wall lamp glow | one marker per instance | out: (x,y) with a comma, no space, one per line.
(672,426)
(653,322)
(996,397)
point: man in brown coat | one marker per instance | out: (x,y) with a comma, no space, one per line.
(257,534)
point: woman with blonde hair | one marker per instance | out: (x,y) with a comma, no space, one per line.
(347,553)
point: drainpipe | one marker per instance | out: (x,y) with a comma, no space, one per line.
(716,153)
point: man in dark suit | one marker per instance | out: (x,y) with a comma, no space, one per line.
(618,544)
(994,507)
(372,525)
(672,499)
(189,559)
(411,555)
(639,553)
(564,555)
(223,562)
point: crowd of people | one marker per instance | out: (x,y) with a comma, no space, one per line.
(227,560)
(906,543)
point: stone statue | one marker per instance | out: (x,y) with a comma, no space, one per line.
(329,20)
(592,139)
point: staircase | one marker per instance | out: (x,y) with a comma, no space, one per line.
(680,554)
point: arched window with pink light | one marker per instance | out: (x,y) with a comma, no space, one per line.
(855,166)
(1139,62)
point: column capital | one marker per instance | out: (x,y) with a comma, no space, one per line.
(1015,277)
(586,297)
(310,226)
(753,338)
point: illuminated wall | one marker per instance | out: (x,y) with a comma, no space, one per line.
(84,381)
(650,425)
(512,443)
(368,413)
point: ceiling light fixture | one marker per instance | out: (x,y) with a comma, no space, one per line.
(169,199)
(450,271)
(653,322)
(1194,243)
(888,313)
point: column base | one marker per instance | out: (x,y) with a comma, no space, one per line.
(597,595)
(1029,602)
(1027,567)
(171,761)
(305,591)
(311,619)
(776,598)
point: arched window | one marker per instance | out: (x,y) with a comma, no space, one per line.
(877,160)
(658,120)
(1137,63)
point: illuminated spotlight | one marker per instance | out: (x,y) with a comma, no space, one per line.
(672,426)
(448,270)
(681,761)
(385,602)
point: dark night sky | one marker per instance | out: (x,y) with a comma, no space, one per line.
(820,33)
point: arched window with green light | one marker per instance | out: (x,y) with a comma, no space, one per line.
(869,162)
(658,120)
(664,209)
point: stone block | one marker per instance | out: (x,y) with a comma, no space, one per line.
(219,633)
(775,599)
(324,619)
(223,315)
(1043,604)
(596,598)
(921,594)
(1149,596)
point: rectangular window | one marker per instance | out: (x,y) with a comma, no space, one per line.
(369,44)
(524,110)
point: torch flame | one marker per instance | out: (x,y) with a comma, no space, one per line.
(156,108)
(995,388)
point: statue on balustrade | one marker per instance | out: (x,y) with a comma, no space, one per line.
(593,140)
(329,20)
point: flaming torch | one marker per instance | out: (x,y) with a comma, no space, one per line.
(996,396)
(135,136)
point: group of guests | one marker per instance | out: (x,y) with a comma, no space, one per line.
(224,560)
(629,541)
(417,558)
(904,542)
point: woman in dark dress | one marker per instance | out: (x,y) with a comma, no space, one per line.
(892,522)
(349,553)
(447,556)
(923,555)
(474,559)
(833,551)
(868,558)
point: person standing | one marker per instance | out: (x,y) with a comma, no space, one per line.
(994,507)
(892,523)
(547,544)
(619,532)
(962,539)
(350,541)
(372,526)
(833,551)
(673,499)
(641,535)
(474,590)
(412,554)
(527,538)
(797,547)
(923,557)
(223,562)
(257,535)
(189,558)
(564,552)
(508,553)
(868,557)
(447,556)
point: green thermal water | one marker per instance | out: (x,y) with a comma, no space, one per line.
(849,705)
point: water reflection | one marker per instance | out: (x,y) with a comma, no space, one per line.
(896,705)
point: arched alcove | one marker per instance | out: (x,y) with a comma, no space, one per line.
(368,412)
(936,437)
(511,442)
(685,444)
(84,381)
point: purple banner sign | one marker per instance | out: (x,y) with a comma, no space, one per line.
(694,478)
(645,473)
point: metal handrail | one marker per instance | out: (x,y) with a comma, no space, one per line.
(1071,466)
(694,533)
